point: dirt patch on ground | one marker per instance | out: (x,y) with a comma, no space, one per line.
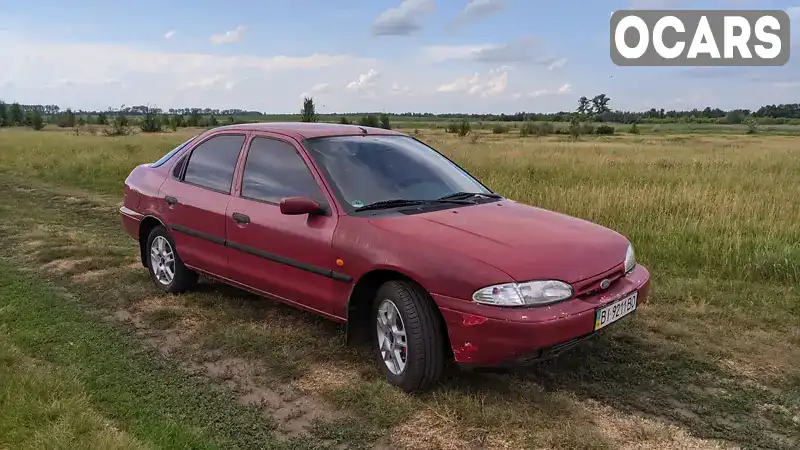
(90,275)
(64,265)
(321,378)
(633,432)
(426,430)
(294,408)
(294,411)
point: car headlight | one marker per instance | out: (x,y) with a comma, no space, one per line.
(532,293)
(630,260)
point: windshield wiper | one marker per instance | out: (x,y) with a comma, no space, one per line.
(384,204)
(466,195)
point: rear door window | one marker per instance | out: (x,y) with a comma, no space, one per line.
(212,163)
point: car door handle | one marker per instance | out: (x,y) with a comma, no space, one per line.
(241,218)
(172,201)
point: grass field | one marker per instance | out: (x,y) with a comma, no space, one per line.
(91,355)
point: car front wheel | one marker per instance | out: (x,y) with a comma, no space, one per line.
(408,341)
(166,267)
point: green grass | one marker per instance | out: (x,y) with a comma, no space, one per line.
(70,381)
(716,352)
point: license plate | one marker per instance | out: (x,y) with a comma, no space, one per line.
(615,311)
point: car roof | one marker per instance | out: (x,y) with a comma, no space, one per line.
(308,130)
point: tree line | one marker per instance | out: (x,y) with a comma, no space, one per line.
(595,109)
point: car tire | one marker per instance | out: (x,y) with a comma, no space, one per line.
(422,363)
(183,279)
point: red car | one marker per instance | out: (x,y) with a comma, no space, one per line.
(376,229)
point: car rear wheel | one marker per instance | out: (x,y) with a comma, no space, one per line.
(407,339)
(166,268)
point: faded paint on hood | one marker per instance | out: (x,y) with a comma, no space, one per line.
(526,242)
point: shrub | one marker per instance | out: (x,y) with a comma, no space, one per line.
(531,128)
(499,129)
(587,128)
(385,122)
(369,120)
(151,122)
(120,126)
(575,128)
(344,120)
(35,120)
(752,126)
(212,121)
(473,138)
(460,128)
(605,129)
(633,129)
(67,120)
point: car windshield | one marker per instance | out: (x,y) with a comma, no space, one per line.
(369,169)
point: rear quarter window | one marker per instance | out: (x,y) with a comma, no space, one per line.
(171,153)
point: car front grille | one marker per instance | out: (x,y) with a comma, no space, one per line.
(591,285)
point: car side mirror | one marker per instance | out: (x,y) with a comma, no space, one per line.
(295,206)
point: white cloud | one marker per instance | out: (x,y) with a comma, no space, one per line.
(211,82)
(103,75)
(403,19)
(525,50)
(491,84)
(565,88)
(557,64)
(478,9)
(364,81)
(229,36)
(398,89)
(320,88)
(168,35)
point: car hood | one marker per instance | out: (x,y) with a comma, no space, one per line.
(526,242)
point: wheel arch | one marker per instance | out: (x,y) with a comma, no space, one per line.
(145,227)
(363,294)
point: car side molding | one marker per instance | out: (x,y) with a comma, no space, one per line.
(338,276)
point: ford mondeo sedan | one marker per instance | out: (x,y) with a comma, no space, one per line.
(375,229)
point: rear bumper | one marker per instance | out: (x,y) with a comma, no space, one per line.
(486,336)
(131,221)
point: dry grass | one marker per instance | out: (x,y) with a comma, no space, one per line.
(711,361)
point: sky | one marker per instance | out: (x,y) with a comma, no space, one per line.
(473,56)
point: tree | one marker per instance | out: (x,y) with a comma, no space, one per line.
(212,121)
(67,120)
(35,119)
(583,106)
(385,122)
(102,119)
(16,117)
(344,121)
(3,115)
(600,104)
(308,113)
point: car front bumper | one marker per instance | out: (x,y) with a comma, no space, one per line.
(489,336)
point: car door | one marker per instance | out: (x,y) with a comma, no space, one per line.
(195,198)
(288,256)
